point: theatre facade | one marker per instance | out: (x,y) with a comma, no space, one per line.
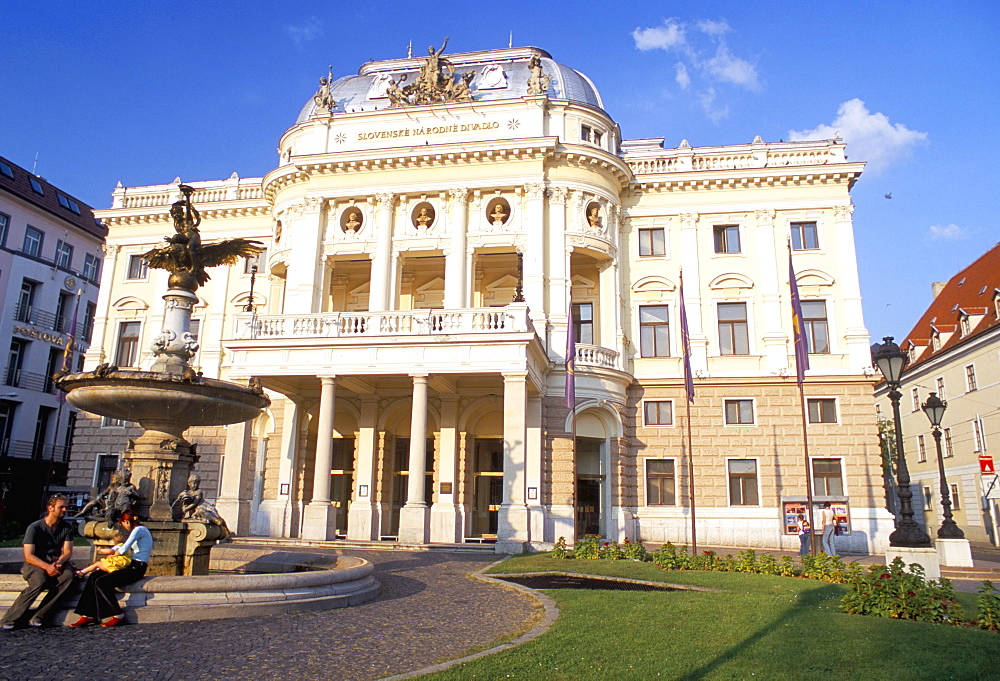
(435,227)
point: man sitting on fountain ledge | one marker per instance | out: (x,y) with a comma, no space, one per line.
(48,547)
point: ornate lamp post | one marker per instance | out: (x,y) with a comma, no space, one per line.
(891,361)
(934,408)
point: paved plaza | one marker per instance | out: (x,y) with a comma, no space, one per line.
(429,609)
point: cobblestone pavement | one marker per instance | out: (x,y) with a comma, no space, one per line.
(429,610)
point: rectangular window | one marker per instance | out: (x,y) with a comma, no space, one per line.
(822,410)
(817,328)
(927,498)
(727,238)
(658,412)
(940,388)
(977,434)
(734,336)
(127,349)
(4,225)
(970,378)
(108,422)
(585,132)
(956,499)
(68,203)
(915,399)
(949,447)
(6,170)
(256,261)
(654,331)
(36,186)
(660,482)
(739,412)
(965,325)
(804,236)
(583,322)
(88,321)
(91,267)
(921,449)
(24,312)
(64,308)
(828,480)
(743,482)
(64,255)
(652,241)
(106,465)
(136,267)
(15,361)
(33,242)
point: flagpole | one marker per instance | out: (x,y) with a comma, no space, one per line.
(801,365)
(689,394)
(61,396)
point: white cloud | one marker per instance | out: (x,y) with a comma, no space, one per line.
(729,69)
(682,76)
(305,32)
(713,27)
(707,101)
(951,232)
(869,136)
(666,37)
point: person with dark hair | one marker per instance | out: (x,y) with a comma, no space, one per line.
(48,547)
(98,600)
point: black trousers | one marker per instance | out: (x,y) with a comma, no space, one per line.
(98,599)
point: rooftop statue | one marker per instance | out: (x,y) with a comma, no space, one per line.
(185,257)
(435,83)
(538,83)
(324,97)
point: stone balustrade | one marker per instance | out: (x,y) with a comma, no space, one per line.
(595,355)
(654,160)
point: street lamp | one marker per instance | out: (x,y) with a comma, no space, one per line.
(934,408)
(891,361)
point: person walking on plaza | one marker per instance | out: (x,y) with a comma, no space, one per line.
(804,535)
(48,547)
(99,600)
(829,525)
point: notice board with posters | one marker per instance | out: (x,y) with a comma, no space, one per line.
(791,508)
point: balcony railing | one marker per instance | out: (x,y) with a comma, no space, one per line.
(26,449)
(29,314)
(16,378)
(595,355)
(492,320)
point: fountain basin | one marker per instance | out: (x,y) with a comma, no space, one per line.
(162,402)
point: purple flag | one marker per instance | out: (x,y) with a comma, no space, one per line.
(570,360)
(801,350)
(67,363)
(686,346)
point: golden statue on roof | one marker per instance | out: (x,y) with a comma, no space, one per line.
(435,83)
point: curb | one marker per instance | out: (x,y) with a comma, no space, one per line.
(551,612)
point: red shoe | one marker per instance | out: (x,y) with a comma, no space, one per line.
(83,621)
(114,621)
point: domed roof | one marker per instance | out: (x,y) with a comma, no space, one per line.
(496,74)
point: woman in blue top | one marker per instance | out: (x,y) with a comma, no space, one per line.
(98,600)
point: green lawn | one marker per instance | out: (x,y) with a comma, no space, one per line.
(754,627)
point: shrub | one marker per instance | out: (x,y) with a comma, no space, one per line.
(611,551)
(898,593)
(669,557)
(634,550)
(989,607)
(559,551)
(587,547)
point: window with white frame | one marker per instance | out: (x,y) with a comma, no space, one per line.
(914,399)
(654,331)
(739,412)
(660,482)
(734,330)
(726,238)
(804,237)
(822,409)
(921,449)
(965,325)
(956,499)
(583,323)
(743,482)
(970,378)
(104,468)
(33,239)
(828,477)
(949,446)
(127,347)
(658,412)
(652,241)
(91,267)
(979,438)
(940,387)
(927,498)
(817,328)
(137,268)
(4,225)
(64,254)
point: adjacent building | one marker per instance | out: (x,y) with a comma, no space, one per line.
(50,263)
(435,228)
(954,351)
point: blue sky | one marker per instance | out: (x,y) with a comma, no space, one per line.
(145,92)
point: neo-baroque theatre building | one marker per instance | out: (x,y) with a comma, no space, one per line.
(435,227)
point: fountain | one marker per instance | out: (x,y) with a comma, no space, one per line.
(166,401)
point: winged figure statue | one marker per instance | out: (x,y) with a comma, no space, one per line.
(185,257)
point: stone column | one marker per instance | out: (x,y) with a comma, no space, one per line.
(99,337)
(512,533)
(382,274)
(445,517)
(414,519)
(236,485)
(455,274)
(776,346)
(304,279)
(533,469)
(855,333)
(692,291)
(320,515)
(363,518)
(534,253)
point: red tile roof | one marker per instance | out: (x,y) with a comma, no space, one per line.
(20,186)
(972,292)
